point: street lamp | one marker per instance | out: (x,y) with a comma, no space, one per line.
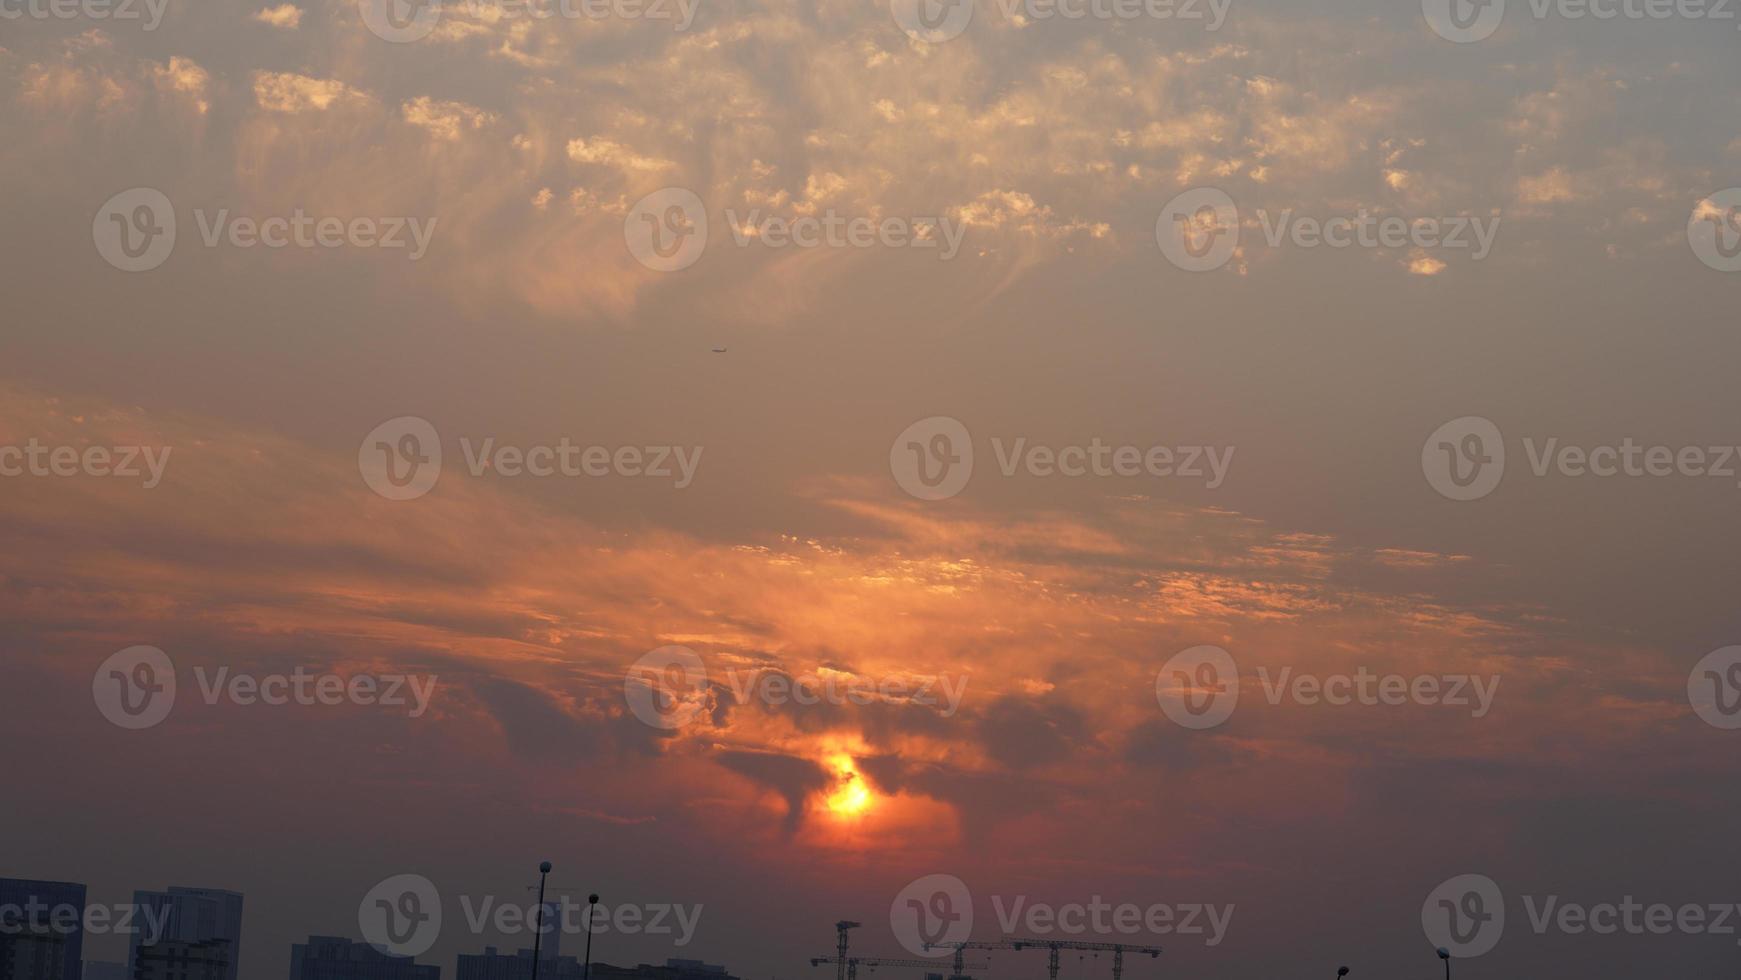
(1342,972)
(586,970)
(1445,954)
(538,936)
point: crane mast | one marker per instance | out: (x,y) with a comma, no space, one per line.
(1118,950)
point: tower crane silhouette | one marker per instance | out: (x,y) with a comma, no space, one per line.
(1052,946)
(961,948)
(1118,951)
(852,963)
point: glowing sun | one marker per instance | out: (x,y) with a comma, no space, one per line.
(850,797)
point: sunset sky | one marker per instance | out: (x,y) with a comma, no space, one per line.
(523,147)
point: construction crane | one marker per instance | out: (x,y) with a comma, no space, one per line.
(852,963)
(961,947)
(1054,945)
(841,928)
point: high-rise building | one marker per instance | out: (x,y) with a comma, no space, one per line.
(333,958)
(45,934)
(32,953)
(202,930)
(181,959)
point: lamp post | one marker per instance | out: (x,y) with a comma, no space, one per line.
(538,936)
(1341,972)
(586,970)
(1445,954)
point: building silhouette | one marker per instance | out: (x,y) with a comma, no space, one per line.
(201,938)
(335,958)
(181,959)
(44,934)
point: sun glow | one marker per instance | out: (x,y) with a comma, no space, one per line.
(851,797)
